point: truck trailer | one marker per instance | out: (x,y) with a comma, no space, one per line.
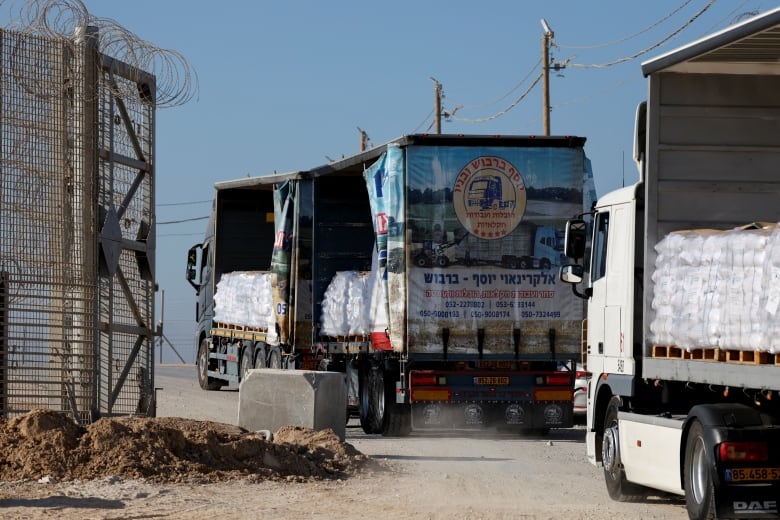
(424,344)
(681,282)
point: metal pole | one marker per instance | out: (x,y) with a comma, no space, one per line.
(546,37)
(162,320)
(437,104)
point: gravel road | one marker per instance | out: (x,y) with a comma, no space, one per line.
(427,477)
(451,476)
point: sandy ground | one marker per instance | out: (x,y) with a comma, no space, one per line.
(424,477)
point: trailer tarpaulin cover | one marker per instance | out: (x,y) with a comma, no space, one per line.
(284,205)
(385,183)
(485,238)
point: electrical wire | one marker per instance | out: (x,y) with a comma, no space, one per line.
(504,111)
(182,221)
(622,40)
(495,101)
(423,122)
(184,203)
(648,49)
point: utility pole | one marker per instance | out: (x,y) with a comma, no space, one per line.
(437,104)
(363,139)
(162,335)
(546,39)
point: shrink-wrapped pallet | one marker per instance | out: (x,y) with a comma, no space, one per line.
(718,289)
(244,298)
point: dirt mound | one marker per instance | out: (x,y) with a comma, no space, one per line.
(44,444)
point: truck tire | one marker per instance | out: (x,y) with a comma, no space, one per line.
(697,479)
(274,358)
(442,261)
(367,420)
(524,263)
(618,487)
(376,398)
(246,362)
(205,382)
(545,264)
(260,359)
(398,420)
(397,417)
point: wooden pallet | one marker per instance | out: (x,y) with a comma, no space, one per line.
(716,355)
(749,357)
(241,328)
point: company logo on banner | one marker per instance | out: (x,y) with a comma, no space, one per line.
(489,197)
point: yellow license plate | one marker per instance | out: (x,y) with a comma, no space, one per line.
(486,380)
(745,474)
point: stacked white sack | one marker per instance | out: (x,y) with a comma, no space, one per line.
(344,306)
(771,285)
(244,298)
(710,289)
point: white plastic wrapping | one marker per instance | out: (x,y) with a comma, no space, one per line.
(718,289)
(244,298)
(345,305)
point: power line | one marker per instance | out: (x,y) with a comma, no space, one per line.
(495,101)
(609,44)
(648,49)
(179,235)
(183,220)
(184,203)
(504,111)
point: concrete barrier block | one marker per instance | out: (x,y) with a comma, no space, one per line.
(270,398)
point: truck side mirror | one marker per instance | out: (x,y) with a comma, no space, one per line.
(574,239)
(571,273)
(192,266)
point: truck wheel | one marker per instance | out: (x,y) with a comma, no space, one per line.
(397,417)
(618,487)
(366,412)
(376,399)
(421,261)
(274,358)
(260,359)
(246,362)
(524,263)
(206,382)
(442,261)
(545,264)
(398,420)
(699,490)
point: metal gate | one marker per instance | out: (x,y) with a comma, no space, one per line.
(77,232)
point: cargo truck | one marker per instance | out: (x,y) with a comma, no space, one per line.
(681,285)
(430,345)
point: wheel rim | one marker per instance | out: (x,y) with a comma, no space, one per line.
(609,450)
(246,364)
(203,362)
(698,474)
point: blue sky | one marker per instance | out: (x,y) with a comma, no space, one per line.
(285,85)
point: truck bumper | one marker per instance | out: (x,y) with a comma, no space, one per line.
(748,501)
(491,415)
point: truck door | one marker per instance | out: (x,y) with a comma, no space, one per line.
(598,283)
(612,301)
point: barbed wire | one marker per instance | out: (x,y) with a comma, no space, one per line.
(176,79)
